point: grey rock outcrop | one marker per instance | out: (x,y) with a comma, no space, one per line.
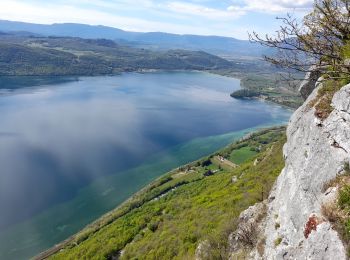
(314,153)
(309,83)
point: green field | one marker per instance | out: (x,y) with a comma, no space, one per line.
(196,202)
(241,155)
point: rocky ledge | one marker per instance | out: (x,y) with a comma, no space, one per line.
(315,153)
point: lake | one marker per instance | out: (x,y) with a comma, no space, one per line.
(72,149)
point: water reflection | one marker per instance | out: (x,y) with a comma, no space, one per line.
(55,140)
(12,83)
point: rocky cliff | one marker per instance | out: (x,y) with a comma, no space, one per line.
(315,153)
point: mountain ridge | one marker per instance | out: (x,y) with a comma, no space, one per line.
(218,45)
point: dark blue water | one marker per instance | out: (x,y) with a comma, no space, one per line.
(63,143)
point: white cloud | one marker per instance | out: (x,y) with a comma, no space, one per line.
(50,13)
(206,17)
(203,11)
(272,6)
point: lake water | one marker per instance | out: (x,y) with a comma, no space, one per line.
(72,149)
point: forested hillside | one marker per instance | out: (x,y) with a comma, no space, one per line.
(30,55)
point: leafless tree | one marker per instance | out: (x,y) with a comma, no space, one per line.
(320,40)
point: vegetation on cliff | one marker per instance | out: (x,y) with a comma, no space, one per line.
(319,43)
(338,211)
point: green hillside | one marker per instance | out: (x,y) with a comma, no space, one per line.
(197,202)
(29,55)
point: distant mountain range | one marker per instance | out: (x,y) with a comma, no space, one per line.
(217,45)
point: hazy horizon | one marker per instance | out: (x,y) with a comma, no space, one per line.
(230,18)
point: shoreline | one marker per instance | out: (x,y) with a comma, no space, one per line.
(238,75)
(110,216)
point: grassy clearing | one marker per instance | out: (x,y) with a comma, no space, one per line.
(241,155)
(197,202)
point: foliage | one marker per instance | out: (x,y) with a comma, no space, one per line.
(248,234)
(277,225)
(245,93)
(341,218)
(344,198)
(197,208)
(269,83)
(278,241)
(323,100)
(319,43)
(346,168)
(339,213)
(206,163)
(320,40)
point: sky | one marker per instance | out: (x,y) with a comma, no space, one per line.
(233,18)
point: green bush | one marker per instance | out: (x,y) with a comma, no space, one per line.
(344,198)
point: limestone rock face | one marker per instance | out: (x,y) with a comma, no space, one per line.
(315,153)
(308,84)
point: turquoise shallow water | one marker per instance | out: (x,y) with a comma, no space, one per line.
(72,150)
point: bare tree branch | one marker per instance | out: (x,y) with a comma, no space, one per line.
(317,41)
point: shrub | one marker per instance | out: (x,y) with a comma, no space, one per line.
(208,173)
(153,226)
(344,197)
(247,234)
(331,212)
(278,241)
(338,213)
(332,183)
(346,168)
(206,163)
(323,101)
(277,225)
